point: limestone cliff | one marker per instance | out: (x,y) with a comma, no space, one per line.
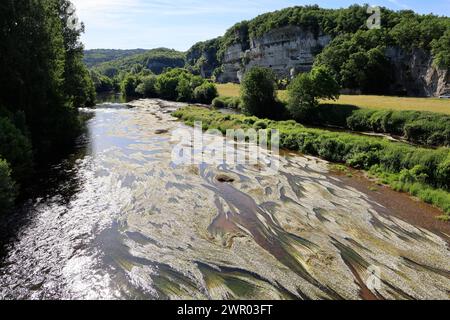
(414,74)
(285,50)
(292,49)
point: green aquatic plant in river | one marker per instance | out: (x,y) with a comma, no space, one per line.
(386,159)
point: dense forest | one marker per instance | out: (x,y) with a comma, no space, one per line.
(356,54)
(109,75)
(97,56)
(43,83)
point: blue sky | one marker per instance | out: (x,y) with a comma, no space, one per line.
(129,24)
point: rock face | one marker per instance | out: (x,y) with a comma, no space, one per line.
(415,75)
(287,51)
(292,50)
(202,57)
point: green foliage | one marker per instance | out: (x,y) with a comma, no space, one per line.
(418,127)
(227,103)
(102,83)
(7,187)
(412,181)
(301,101)
(43,83)
(129,85)
(205,93)
(418,31)
(441,50)
(258,93)
(356,55)
(16,149)
(167,84)
(184,90)
(181,85)
(175,85)
(95,57)
(147,88)
(307,88)
(424,173)
(426,128)
(155,60)
(202,57)
(358,61)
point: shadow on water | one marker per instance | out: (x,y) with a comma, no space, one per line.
(57,180)
(55,177)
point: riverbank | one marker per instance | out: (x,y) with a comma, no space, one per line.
(128,223)
(423,173)
(363,101)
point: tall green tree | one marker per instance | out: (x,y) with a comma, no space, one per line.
(43,82)
(307,88)
(258,92)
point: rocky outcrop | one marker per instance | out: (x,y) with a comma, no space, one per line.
(414,74)
(202,57)
(287,51)
(291,50)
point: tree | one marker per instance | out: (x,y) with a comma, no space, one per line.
(7,187)
(129,85)
(43,83)
(42,73)
(205,93)
(441,50)
(178,84)
(16,149)
(77,81)
(101,83)
(358,61)
(167,84)
(184,90)
(258,92)
(307,88)
(148,87)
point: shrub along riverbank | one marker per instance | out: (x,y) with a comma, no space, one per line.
(259,98)
(425,128)
(418,127)
(421,172)
(174,85)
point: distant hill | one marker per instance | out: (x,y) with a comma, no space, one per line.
(155,60)
(98,56)
(405,54)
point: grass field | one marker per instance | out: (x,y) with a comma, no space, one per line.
(372,102)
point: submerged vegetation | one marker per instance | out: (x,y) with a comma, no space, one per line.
(422,172)
(43,82)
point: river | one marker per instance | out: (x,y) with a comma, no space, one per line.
(119,220)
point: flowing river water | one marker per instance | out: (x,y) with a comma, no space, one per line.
(122,221)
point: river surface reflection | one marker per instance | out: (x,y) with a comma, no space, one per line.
(126,223)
